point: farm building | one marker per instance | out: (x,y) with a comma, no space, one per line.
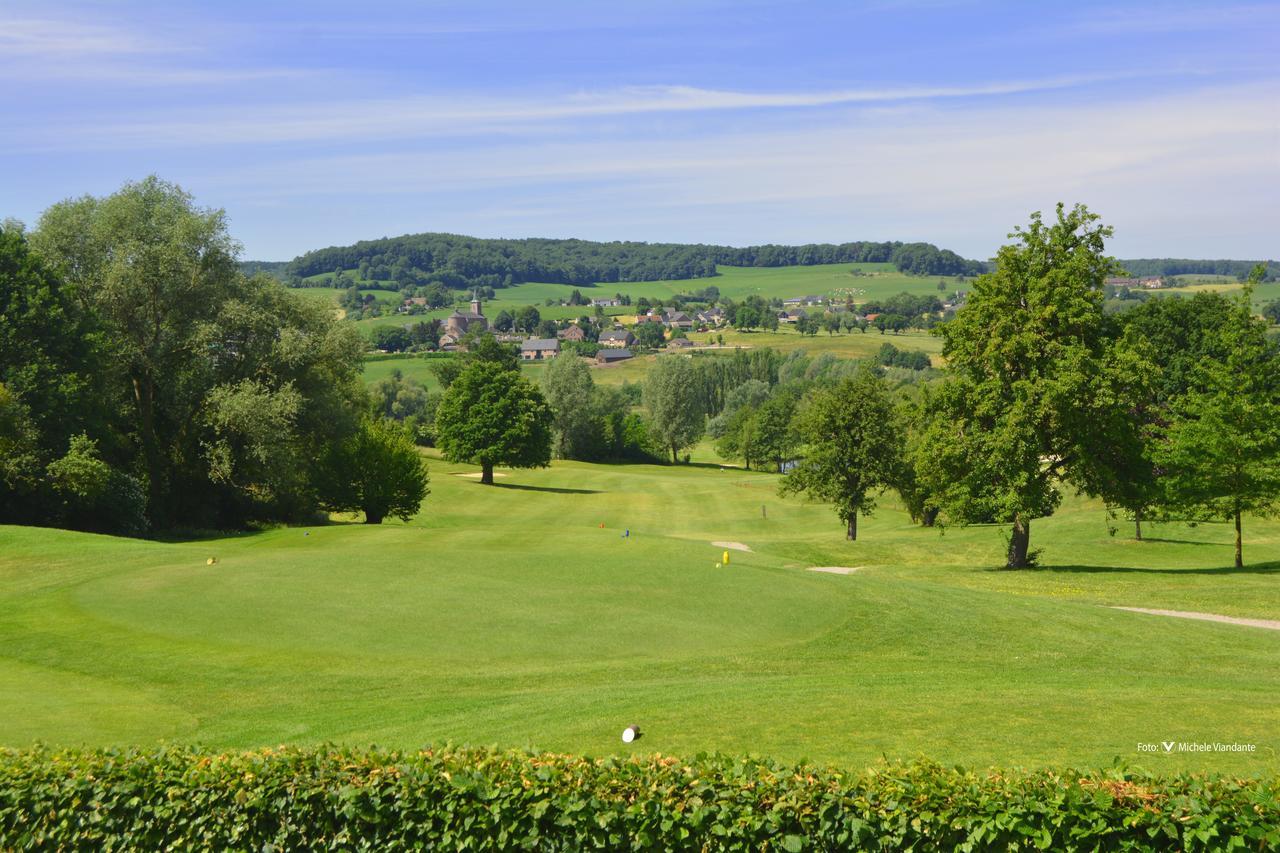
(677,320)
(804,300)
(617,338)
(539,348)
(609,356)
(573,333)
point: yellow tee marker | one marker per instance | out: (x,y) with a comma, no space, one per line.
(726,558)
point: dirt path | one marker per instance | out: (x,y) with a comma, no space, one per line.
(732,546)
(835,570)
(1270,624)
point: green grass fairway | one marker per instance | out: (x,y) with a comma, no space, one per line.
(508,615)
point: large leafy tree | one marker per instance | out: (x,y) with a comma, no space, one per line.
(1171,338)
(156,269)
(491,415)
(1220,452)
(46,344)
(852,446)
(1033,385)
(228,388)
(671,398)
(378,471)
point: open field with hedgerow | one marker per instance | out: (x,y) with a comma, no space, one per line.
(876,281)
(786,339)
(519,615)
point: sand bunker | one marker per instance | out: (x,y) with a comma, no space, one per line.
(835,570)
(478,475)
(732,546)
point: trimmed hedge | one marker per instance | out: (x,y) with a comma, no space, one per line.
(482,799)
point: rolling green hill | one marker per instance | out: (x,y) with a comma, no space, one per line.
(877,281)
(510,615)
(459,261)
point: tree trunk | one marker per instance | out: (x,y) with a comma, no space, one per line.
(1019,542)
(486,473)
(928,517)
(1239,549)
(1137,524)
(852,532)
(144,394)
(372,517)
(675,455)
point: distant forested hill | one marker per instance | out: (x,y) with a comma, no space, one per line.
(461,262)
(1191,266)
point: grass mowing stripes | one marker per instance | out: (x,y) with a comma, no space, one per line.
(507,615)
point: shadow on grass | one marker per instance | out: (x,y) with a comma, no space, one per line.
(1255,569)
(180,535)
(1184,542)
(525,488)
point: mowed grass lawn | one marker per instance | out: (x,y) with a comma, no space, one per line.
(509,615)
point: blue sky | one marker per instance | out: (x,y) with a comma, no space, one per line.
(322,123)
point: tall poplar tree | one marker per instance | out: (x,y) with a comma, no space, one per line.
(676,417)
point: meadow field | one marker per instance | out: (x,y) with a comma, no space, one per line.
(521,615)
(786,339)
(876,281)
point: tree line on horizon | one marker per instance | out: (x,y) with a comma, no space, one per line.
(459,262)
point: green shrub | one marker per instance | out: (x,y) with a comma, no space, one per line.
(479,799)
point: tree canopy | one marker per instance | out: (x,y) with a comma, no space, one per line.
(377,471)
(213,390)
(491,415)
(1031,391)
(852,447)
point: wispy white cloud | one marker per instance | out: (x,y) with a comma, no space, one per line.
(64,38)
(55,49)
(424,116)
(914,172)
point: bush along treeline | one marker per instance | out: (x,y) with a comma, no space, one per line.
(455,261)
(147,384)
(484,799)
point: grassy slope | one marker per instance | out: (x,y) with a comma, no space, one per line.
(853,345)
(509,615)
(734,282)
